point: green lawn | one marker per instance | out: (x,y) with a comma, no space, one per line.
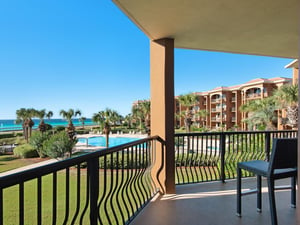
(132,192)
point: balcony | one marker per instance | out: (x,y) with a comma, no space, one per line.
(113,185)
(215,203)
(215,100)
(253,95)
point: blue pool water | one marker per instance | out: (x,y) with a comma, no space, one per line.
(101,141)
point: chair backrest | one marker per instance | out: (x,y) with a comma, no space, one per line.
(284,154)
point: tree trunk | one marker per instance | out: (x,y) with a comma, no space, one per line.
(106,131)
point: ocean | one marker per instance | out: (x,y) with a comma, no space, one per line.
(10,125)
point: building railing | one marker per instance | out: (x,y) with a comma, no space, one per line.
(104,187)
(112,185)
(201,157)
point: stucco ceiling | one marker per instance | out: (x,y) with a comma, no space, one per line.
(260,27)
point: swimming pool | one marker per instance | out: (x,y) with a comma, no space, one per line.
(101,141)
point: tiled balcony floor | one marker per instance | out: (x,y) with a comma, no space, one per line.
(215,204)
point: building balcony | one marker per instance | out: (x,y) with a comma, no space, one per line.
(216,100)
(215,203)
(124,180)
(253,95)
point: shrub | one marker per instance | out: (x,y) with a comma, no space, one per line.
(58,145)
(25,151)
(48,126)
(37,140)
(7,135)
(81,131)
(59,128)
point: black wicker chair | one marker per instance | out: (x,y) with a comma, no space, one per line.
(282,164)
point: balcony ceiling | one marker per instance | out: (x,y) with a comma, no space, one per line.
(260,27)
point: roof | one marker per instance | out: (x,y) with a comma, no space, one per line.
(293,64)
(249,83)
(259,27)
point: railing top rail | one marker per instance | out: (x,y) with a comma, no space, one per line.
(19,177)
(233,132)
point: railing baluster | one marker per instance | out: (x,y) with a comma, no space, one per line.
(39,201)
(21,203)
(77,194)
(54,198)
(93,167)
(267,146)
(67,197)
(222,149)
(1,206)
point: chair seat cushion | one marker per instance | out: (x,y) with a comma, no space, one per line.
(261,168)
(258,167)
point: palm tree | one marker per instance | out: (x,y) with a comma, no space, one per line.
(82,120)
(49,114)
(188,101)
(137,115)
(128,120)
(31,113)
(115,117)
(105,119)
(261,113)
(202,113)
(68,115)
(287,98)
(22,116)
(141,112)
(41,115)
(25,116)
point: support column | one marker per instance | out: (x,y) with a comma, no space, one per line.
(298,180)
(162,111)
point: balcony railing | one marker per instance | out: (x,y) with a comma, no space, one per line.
(115,183)
(202,157)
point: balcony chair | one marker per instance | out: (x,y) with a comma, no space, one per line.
(282,164)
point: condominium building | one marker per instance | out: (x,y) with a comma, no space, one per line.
(222,103)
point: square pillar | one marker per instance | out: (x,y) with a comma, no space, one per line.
(162,111)
(298,180)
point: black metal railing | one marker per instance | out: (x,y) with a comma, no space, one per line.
(201,157)
(104,187)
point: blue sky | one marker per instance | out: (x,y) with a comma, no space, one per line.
(88,55)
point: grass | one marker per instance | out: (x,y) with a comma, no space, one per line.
(110,199)
(131,193)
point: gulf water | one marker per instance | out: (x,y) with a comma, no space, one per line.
(10,125)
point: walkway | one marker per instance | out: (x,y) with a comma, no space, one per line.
(34,165)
